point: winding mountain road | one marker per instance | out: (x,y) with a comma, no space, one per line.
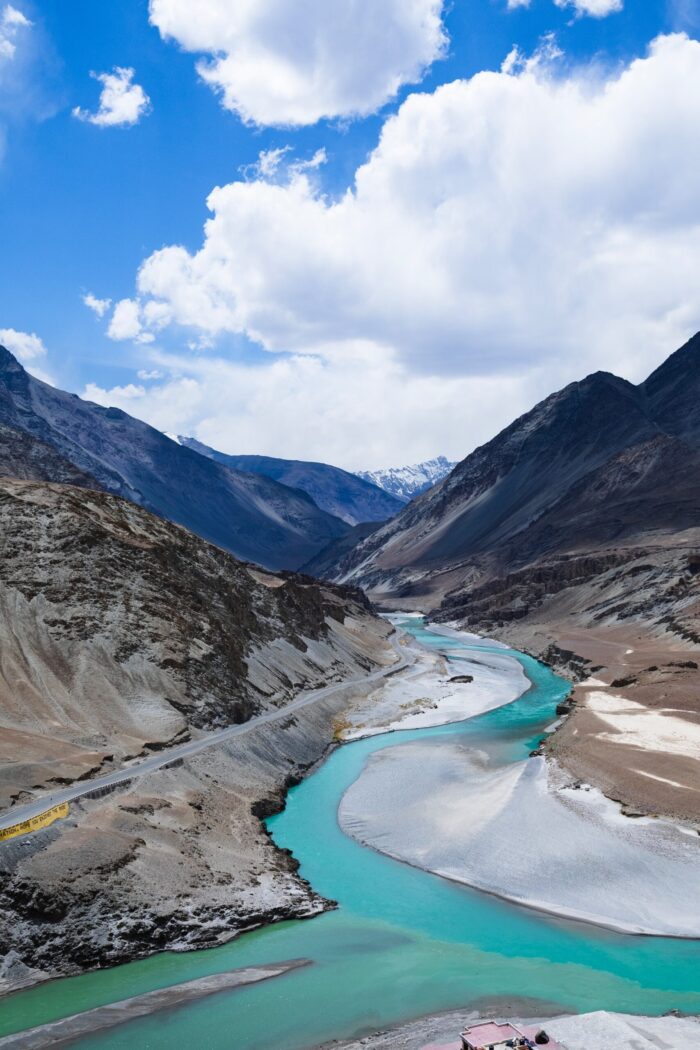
(139,767)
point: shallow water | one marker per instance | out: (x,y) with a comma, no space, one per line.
(402,943)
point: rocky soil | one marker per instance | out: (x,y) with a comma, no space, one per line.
(121,633)
(628,621)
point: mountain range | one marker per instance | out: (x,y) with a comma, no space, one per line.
(55,436)
(124,634)
(574,535)
(405,483)
(600,464)
(128,626)
(348,496)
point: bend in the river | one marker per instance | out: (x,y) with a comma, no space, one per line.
(402,942)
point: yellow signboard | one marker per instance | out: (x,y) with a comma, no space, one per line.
(41,820)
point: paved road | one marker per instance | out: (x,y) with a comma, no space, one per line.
(139,767)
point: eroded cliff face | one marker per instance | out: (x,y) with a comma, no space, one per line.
(121,634)
(575,535)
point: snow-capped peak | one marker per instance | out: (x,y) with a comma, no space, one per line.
(407,482)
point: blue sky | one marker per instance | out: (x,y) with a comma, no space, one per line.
(85,205)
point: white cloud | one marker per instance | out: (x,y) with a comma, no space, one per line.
(512,219)
(117,396)
(513,4)
(122,102)
(25,346)
(98,306)
(12,21)
(147,374)
(361,409)
(277,165)
(126,321)
(294,63)
(594,8)
(28,348)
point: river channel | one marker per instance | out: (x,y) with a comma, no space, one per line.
(402,942)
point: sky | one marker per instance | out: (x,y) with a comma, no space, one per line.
(366,232)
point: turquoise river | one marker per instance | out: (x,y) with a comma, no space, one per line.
(401,944)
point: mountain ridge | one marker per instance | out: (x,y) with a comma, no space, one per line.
(123,634)
(405,483)
(502,488)
(574,535)
(336,491)
(252,516)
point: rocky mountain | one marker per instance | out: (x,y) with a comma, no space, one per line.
(405,483)
(324,564)
(600,462)
(336,491)
(122,635)
(250,515)
(575,535)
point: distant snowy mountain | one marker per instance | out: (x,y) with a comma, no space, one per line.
(407,482)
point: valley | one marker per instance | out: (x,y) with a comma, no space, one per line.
(409,943)
(574,536)
(350,525)
(169,703)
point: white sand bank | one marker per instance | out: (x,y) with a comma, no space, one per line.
(605,1031)
(516,832)
(424,695)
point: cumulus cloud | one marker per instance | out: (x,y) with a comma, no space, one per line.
(293,64)
(127,317)
(125,322)
(122,102)
(118,395)
(360,410)
(24,345)
(27,348)
(594,8)
(517,217)
(98,306)
(12,21)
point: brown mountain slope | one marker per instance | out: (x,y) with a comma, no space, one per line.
(575,534)
(500,506)
(122,633)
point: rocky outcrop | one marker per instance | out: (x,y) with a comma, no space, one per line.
(120,634)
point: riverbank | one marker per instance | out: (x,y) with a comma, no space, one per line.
(522,831)
(435,691)
(595,1031)
(531,833)
(66,1031)
(635,632)
(401,944)
(178,858)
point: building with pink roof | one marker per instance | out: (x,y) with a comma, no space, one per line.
(495,1035)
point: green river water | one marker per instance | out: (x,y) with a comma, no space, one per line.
(402,943)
